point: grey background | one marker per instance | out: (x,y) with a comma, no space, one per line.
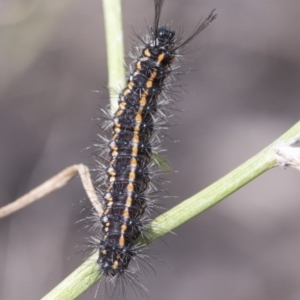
(243,94)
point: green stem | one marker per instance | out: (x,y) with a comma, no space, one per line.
(188,209)
(114,48)
(77,282)
(86,275)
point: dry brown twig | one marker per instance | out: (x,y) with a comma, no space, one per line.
(52,184)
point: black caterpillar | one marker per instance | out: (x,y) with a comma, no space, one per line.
(129,150)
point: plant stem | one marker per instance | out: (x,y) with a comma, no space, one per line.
(188,209)
(86,275)
(114,48)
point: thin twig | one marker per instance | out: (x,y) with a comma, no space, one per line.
(54,183)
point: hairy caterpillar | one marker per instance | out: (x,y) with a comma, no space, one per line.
(124,180)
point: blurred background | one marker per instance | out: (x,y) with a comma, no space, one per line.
(243,94)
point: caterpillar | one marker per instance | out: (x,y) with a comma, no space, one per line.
(124,179)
